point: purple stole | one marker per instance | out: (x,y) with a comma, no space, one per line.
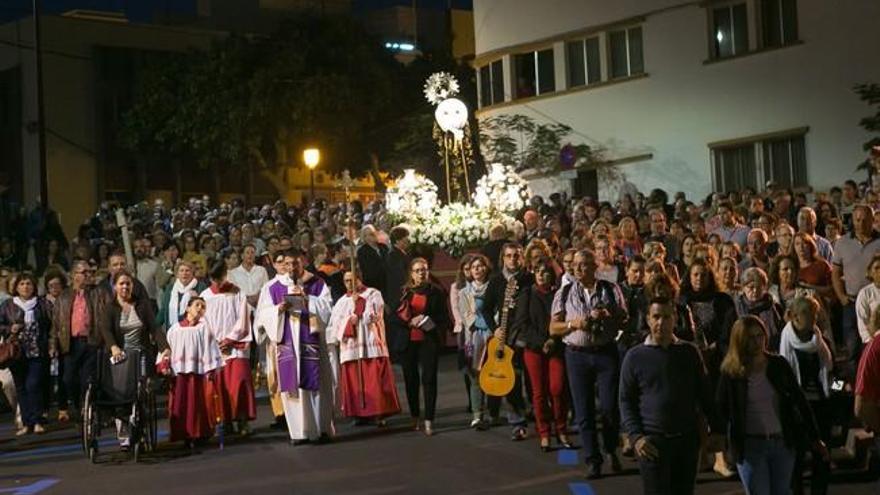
(309,360)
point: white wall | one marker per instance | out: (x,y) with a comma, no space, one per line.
(685,104)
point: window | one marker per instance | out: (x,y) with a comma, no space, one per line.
(735,168)
(583,62)
(785,161)
(753,163)
(625,47)
(779,25)
(535,74)
(492,83)
(730,30)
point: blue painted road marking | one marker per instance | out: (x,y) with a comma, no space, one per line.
(33,488)
(62,449)
(581,489)
(568,457)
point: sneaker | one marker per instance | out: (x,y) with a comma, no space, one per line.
(429,430)
(39,429)
(24,430)
(476,423)
(519,434)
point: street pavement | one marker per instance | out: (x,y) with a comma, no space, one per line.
(363,460)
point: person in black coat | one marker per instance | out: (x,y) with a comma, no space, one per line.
(397,265)
(511,270)
(763,439)
(372,257)
(543,355)
(425,312)
(714,313)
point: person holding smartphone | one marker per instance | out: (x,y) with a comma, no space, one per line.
(423,308)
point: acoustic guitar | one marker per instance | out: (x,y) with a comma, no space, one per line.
(497,375)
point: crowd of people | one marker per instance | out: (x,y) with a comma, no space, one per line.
(734,333)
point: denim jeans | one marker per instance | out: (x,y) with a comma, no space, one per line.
(766,467)
(28,374)
(589,370)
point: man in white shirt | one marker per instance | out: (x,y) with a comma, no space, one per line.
(146,266)
(249,276)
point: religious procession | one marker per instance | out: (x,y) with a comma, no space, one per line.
(506,278)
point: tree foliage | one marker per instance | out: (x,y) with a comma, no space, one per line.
(870,94)
(520,140)
(317,81)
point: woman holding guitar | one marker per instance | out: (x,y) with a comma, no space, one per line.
(423,308)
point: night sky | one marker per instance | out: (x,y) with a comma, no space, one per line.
(143,10)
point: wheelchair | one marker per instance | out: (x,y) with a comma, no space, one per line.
(126,391)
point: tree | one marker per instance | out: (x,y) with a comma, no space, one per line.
(870,94)
(256,101)
(521,141)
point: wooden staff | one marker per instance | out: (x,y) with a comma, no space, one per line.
(353,255)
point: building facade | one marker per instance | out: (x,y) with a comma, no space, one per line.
(694,96)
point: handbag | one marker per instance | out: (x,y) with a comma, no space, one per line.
(10,351)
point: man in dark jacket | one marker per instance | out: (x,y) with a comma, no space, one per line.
(663,384)
(397,266)
(396,277)
(372,258)
(75,335)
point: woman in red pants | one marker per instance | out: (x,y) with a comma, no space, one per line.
(543,355)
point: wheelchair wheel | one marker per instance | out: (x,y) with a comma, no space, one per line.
(85,417)
(91,425)
(151,420)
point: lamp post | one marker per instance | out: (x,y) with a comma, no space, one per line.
(311,157)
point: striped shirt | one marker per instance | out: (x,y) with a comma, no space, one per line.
(578,304)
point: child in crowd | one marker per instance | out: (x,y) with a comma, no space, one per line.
(195,355)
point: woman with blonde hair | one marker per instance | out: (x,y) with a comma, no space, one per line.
(765,410)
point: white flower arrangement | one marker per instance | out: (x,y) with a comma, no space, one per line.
(501,189)
(456,227)
(414,196)
(440,86)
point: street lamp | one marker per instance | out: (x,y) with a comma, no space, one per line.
(311,157)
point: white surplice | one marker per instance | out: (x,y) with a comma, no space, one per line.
(193,348)
(370,339)
(309,413)
(229,317)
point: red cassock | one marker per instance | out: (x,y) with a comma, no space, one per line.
(191,411)
(379,393)
(237,390)
(194,405)
(367,380)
